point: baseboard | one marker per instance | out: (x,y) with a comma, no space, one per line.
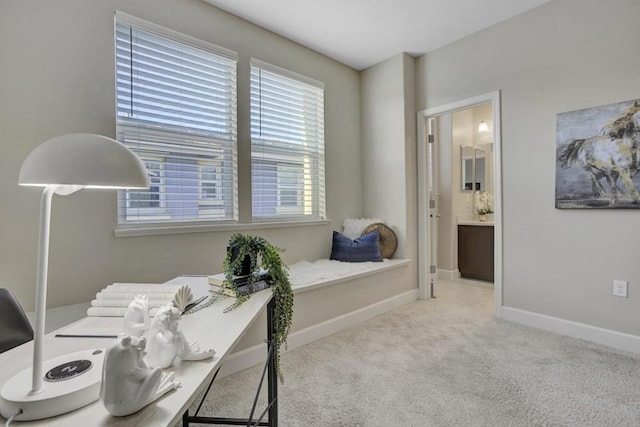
(618,340)
(255,355)
(448,274)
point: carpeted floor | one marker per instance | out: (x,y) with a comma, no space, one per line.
(445,362)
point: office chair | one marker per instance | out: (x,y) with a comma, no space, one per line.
(15,328)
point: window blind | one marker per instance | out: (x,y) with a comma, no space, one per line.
(176,109)
(287,144)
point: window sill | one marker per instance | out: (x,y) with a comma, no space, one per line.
(154,230)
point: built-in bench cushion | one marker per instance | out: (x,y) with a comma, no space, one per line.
(305,275)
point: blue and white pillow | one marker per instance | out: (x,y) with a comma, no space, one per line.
(364,248)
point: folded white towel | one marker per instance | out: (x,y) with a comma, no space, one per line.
(124,302)
(113,311)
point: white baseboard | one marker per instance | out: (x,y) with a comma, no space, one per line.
(618,340)
(448,274)
(257,354)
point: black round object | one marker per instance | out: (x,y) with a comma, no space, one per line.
(68,370)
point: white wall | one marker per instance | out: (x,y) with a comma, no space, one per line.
(462,129)
(563,56)
(389,150)
(57,77)
(383,154)
(485,140)
(444,170)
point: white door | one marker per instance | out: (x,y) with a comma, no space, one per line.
(433,207)
(427,207)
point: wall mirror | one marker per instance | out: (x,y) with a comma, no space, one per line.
(466,154)
(473,168)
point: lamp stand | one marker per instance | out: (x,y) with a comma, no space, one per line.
(64,165)
(72,380)
(41,286)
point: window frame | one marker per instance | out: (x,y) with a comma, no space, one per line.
(226,148)
(299,189)
(218,181)
(312,159)
(162,204)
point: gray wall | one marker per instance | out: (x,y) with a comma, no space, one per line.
(389,150)
(563,56)
(57,77)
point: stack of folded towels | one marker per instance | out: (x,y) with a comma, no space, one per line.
(113,300)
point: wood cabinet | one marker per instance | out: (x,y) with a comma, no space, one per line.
(475,252)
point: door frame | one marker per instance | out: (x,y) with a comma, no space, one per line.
(424,275)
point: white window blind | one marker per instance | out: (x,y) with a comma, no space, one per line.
(287,144)
(176,109)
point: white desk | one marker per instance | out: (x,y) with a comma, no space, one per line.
(210,327)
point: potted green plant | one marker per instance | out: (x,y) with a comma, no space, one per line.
(484,204)
(259,254)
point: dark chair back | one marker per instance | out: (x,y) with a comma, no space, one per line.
(15,328)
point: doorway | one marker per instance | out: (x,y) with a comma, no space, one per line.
(476,173)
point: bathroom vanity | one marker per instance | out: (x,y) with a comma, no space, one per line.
(475,250)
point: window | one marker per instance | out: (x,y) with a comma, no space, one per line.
(154,197)
(290,187)
(210,184)
(176,109)
(287,144)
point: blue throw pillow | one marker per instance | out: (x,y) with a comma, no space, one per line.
(364,248)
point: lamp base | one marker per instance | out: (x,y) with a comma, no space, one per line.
(71,381)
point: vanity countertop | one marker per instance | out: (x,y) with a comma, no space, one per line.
(475,222)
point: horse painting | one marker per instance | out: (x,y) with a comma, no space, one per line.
(599,171)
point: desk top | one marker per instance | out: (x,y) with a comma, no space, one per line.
(210,327)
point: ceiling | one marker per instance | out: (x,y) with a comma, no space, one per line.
(361,33)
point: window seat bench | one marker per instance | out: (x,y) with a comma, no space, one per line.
(306,276)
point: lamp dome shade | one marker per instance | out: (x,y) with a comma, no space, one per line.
(84,159)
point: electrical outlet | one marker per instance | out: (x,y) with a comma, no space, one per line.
(620,288)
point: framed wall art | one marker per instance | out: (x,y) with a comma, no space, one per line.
(597,157)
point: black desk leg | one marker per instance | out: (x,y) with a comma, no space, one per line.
(272,374)
(272,387)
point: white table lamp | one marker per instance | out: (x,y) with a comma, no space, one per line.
(64,165)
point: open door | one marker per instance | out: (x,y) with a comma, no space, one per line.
(429,198)
(433,205)
(427,207)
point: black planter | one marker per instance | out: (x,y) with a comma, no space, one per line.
(245,267)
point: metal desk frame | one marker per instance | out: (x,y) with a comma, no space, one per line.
(272,388)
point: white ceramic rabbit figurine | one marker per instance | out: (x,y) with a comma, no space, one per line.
(136,318)
(165,342)
(128,384)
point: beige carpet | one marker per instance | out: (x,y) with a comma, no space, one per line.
(445,362)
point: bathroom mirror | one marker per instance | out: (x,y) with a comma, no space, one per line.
(466,154)
(472,169)
(479,164)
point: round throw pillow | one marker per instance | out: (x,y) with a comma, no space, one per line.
(386,238)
